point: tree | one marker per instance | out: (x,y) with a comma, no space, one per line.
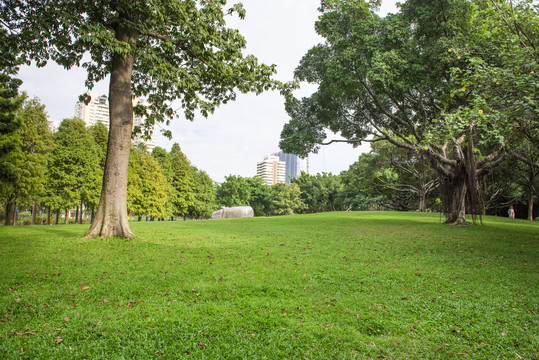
(389,79)
(147,187)
(10,102)
(502,81)
(99,134)
(261,196)
(203,195)
(162,50)
(235,191)
(182,181)
(320,192)
(287,199)
(27,158)
(164,159)
(73,165)
(404,171)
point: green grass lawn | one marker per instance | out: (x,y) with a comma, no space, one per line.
(327,286)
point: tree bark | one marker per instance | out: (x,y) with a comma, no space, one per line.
(422,201)
(111,218)
(34,210)
(77,215)
(530,205)
(453,196)
(10,213)
(48,216)
(66,218)
(81,213)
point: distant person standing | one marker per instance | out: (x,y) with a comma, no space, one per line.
(511,213)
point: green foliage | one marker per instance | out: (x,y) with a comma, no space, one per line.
(182,181)
(29,143)
(10,102)
(183,49)
(73,168)
(323,286)
(204,202)
(320,192)
(235,191)
(400,79)
(287,199)
(147,186)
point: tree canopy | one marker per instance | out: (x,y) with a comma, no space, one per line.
(161,50)
(401,79)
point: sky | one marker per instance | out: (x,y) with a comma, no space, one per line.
(238,134)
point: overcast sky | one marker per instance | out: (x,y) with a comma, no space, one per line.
(241,133)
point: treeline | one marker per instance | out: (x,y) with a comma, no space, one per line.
(55,173)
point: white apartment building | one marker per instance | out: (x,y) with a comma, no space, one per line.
(97,110)
(271,170)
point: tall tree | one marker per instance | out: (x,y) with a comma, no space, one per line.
(99,134)
(10,102)
(390,79)
(147,187)
(235,191)
(203,195)
(164,159)
(182,181)
(74,164)
(162,50)
(287,199)
(27,158)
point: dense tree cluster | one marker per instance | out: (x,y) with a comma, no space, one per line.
(61,171)
(451,82)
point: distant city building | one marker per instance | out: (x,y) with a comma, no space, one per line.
(294,165)
(97,110)
(271,170)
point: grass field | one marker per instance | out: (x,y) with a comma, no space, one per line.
(326,286)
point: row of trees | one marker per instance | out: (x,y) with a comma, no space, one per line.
(451,82)
(64,170)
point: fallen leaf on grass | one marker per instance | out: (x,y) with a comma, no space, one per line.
(85,287)
(200,343)
(59,340)
(17,300)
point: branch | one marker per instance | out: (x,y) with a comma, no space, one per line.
(485,169)
(526,161)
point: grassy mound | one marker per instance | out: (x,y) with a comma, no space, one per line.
(324,286)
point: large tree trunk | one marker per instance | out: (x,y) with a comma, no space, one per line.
(77,215)
(10,212)
(454,200)
(48,216)
(422,200)
(66,217)
(34,210)
(111,217)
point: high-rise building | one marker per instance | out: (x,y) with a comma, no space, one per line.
(294,165)
(97,110)
(271,170)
